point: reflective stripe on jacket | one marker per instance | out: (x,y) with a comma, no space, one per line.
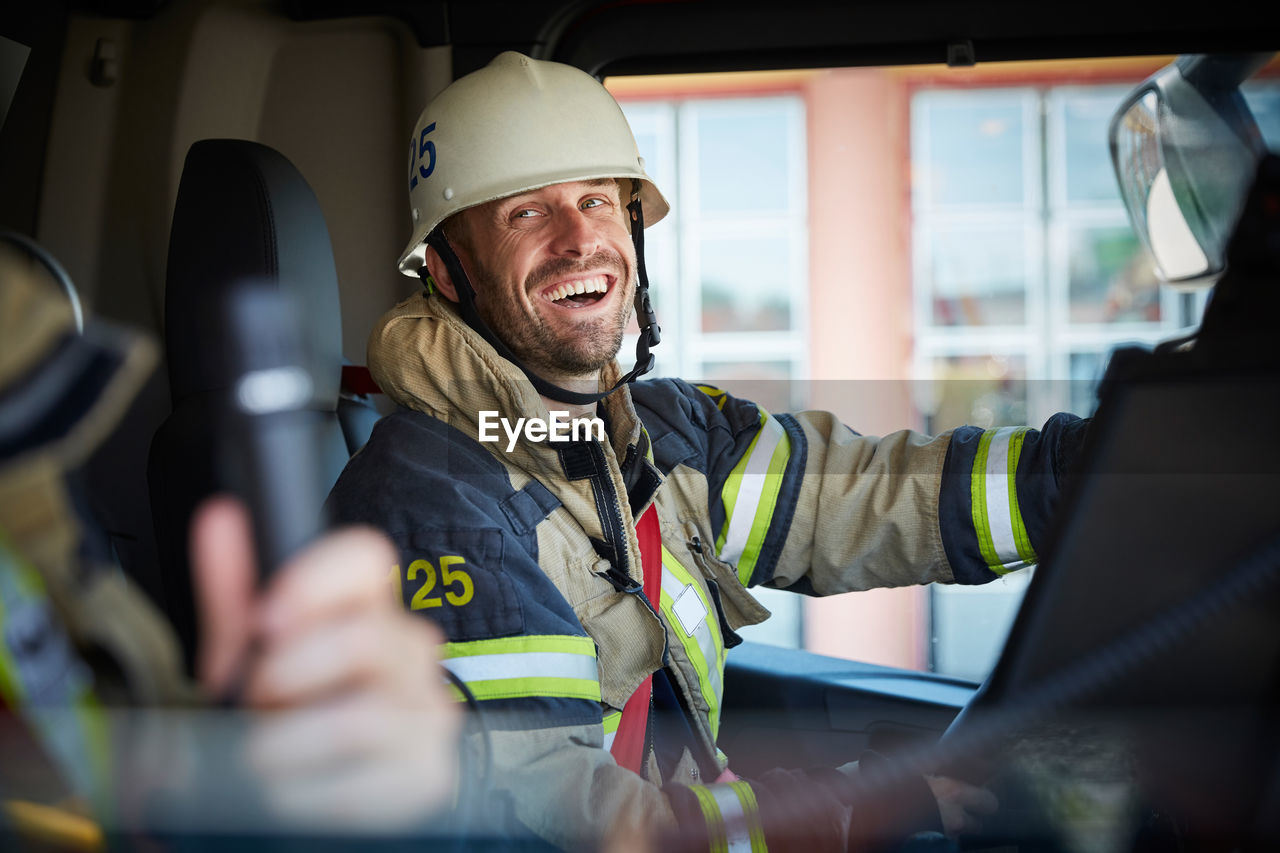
(523,557)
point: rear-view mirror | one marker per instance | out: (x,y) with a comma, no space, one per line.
(1185,147)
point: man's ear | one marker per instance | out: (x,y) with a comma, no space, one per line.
(440,275)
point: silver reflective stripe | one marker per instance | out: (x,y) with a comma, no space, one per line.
(673,587)
(999,515)
(522,665)
(751,491)
(736,828)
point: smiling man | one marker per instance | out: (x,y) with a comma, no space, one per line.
(590,588)
(554,275)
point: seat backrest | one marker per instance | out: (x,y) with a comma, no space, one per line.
(243,211)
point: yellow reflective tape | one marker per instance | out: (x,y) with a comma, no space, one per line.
(715,394)
(10,685)
(978,498)
(716,840)
(750,495)
(562,643)
(751,809)
(1020,536)
(60,828)
(764,514)
(997,520)
(610,726)
(710,682)
(535,687)
(559,666)
(69,726)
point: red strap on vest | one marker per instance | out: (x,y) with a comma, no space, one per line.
(357,379)
(629,742)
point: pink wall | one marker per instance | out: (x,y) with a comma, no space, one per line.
(860,318)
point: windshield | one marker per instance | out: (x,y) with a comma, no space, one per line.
(918,247)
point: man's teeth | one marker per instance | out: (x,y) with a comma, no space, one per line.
(598,284)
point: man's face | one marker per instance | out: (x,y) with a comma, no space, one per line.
(553,270)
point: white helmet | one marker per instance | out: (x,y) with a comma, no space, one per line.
(513,126)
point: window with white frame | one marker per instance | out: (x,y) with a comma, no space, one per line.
(1026,275)
(728,267)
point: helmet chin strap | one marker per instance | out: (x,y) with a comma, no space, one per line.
(650,332)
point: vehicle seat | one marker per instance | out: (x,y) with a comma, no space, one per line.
(243,211)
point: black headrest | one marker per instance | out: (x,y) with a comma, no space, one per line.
(244,211)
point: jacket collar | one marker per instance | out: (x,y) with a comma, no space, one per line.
(425,357)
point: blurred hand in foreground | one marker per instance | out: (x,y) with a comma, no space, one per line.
(362,733)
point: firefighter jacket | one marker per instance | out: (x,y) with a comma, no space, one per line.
(75,637)
(524,551)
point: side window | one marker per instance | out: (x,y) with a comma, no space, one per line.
(729,265)
(909,248)
(1027,274)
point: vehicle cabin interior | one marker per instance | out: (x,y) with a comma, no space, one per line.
(159,150)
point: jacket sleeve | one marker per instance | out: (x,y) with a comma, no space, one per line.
(803,502)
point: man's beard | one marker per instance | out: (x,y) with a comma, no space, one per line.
(584,349)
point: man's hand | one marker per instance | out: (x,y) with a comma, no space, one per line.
(357,730)
(960,803)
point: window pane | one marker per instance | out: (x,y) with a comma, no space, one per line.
(1110,278)
(1086,370)
(980,390)
(973,153)
(970,624)
(1086,119)
(744,157)
(977,276)
(746,284)
(650,124)
(767,383)
(1264,102)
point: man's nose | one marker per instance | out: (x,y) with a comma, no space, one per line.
(575,235)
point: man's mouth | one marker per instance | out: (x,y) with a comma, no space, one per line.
(578,293)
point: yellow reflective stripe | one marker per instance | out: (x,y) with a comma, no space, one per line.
(68,722)
(566,643)
(610,724)
(732,816)
(648,445)
(705,647)
(529,688)
(10,685)
(751,813)
(92,719)
(59,828)
(750,495)
(714,393)
(1022,541)
(997,521)
(520,667)
(716,841)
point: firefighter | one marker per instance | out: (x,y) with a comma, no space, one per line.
(591,582)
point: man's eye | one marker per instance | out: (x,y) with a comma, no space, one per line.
(527,213)
(593,202)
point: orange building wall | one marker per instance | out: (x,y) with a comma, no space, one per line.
(861,318)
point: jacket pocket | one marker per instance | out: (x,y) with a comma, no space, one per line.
(737,607)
